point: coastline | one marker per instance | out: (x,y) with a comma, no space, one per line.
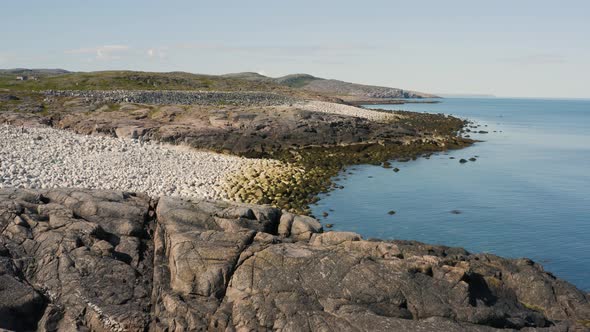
(210,260)
(385,101)
(317,147)
(153,261)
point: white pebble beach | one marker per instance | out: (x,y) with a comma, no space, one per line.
(49,158)
(347,110)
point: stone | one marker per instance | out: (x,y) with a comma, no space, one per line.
(333,238)
(285,224)
(303,227)
(130,132)
(182,271)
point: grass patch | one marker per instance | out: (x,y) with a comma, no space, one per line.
(134,80)
(532,307)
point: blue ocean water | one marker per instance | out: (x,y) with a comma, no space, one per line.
(527,195)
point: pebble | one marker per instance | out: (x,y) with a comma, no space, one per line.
(66,159)
(333,108)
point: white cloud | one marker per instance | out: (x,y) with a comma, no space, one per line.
(105,52)
(159,52)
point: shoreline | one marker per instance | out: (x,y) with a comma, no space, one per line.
(222,256)
(148,261)
(315,139)
(361,102)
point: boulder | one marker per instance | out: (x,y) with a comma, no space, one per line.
(130,132)
(303,227)
(333,238)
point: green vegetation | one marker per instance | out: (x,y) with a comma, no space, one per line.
(532,307)
(318,166)
(296,80)
(131,80)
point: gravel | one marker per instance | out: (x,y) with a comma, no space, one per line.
(50,158)
(171,97)
(333,108)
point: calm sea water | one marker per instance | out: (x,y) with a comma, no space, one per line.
(527,195)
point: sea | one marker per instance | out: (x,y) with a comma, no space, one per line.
(526,195)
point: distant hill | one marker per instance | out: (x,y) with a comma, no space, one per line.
(300,85)
(334,87)
(33,72)
(59,79)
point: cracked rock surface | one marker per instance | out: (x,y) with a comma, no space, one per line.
(92,260)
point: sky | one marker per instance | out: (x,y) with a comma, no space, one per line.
(516,48)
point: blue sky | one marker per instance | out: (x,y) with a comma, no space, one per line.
(507,48)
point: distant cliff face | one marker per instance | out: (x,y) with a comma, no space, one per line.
(334,87)
(360,90)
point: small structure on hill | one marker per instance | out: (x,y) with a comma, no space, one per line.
(26,78)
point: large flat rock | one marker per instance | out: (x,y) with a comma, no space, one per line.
(75,259)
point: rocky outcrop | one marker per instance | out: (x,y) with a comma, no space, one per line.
(81,260)
(242,130)
(73,259)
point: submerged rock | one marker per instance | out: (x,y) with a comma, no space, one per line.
(463,161)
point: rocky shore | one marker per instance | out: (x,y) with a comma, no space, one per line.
(90,260)
(176,257)
(315,138)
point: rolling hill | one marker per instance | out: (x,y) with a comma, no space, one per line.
(300,85)
(341,89)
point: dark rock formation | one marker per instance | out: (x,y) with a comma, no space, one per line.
(242,130)
(75,259)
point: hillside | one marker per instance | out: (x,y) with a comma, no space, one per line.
(33,72)
(297,85)
(336,88)
(132,80)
